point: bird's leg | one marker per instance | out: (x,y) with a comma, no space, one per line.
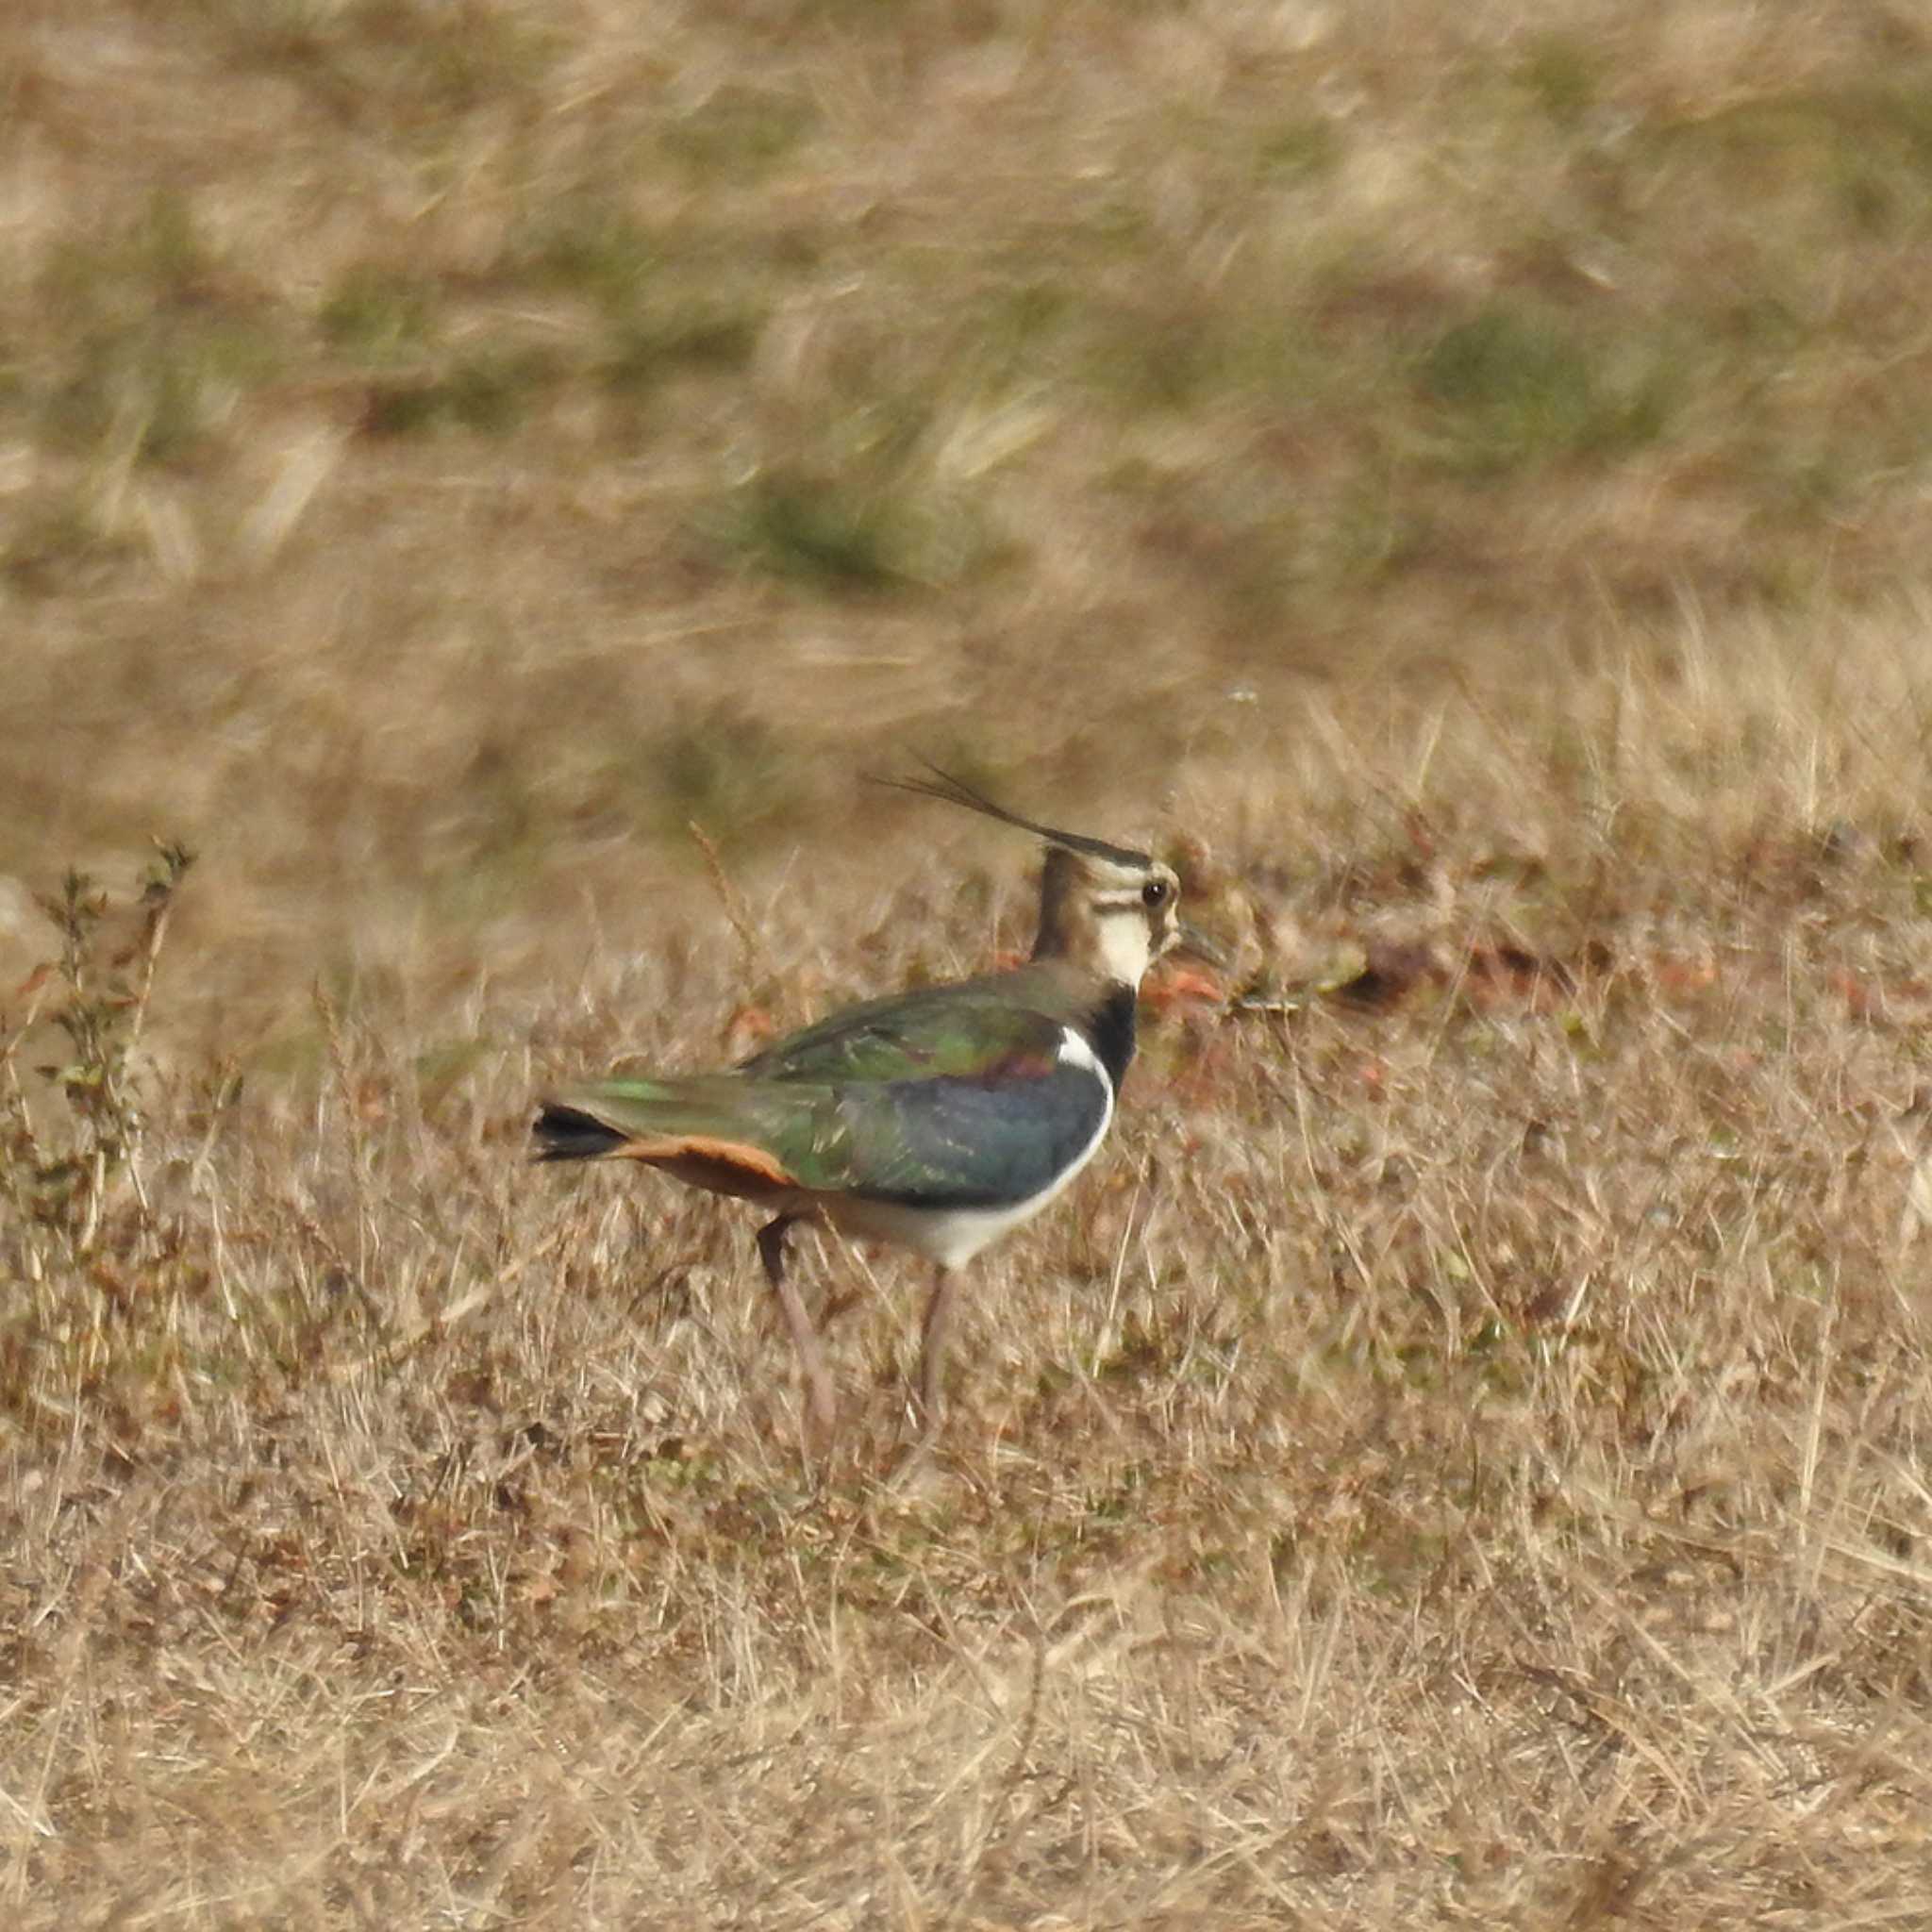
(821,1404)
(932,1357)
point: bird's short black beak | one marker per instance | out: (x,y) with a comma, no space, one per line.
(1195,943)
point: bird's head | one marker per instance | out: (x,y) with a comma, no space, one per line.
(1106,909)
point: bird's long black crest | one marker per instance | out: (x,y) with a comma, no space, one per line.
(951,791)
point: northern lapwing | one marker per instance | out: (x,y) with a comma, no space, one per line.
(937,1119)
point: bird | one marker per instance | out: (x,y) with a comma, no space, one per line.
(935,1120)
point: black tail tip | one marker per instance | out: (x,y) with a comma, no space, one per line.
(568,1133)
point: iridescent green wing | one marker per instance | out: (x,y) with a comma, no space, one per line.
(975,1028)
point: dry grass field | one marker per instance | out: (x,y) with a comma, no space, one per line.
(491,478)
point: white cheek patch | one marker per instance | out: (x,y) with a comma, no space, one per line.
(1124,946)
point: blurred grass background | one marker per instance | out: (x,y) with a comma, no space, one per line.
(444,448)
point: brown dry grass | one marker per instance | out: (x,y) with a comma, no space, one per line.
(1460,486)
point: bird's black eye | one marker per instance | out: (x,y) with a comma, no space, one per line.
(1156,892)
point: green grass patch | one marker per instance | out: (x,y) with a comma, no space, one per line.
(724,769)
(875,523)
(667,303)
(488,393)
(1511,387)
(379,315)
(1563,75)
(818,531)
(162,390)
(739,133)
(1800,178)
(1302,148)
(716,336)
(394,63)
(161,339)
(592,247)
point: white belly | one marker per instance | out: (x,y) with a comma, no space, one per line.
(952,1236)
